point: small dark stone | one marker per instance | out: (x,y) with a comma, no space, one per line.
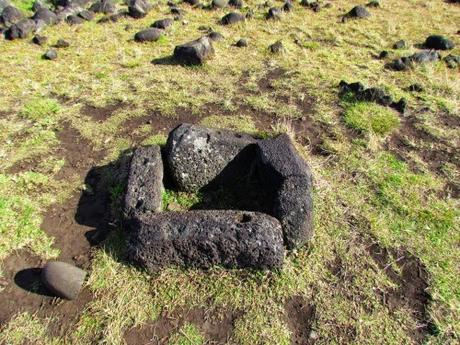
(276,47)
(383,54)
(452,61)
(50,55)
(46,15)
(401,44)
(219,3)
(194,52)
(274,13)
(438,42)
(232,18)
(397,65)
(215,36)
(86,15)
(415,88)
(74,20)
(288,6)
(236,3)
(358,12)
(232,239)
(63,279)
(103,6)
(163,23)
(373,3)
(192,2)
(424,56)
(148,35)
(241,43)
(139,8)
(39,40)
(62,44)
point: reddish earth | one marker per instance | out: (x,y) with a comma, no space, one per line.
(300,317)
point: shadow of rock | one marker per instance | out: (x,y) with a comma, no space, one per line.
(166,60)
(29,280)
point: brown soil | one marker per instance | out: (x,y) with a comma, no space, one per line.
(23,292)
(101,114)
(412,286)
(216,326)
(300,317)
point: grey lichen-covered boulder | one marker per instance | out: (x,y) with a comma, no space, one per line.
(10,15)
(145,182)
(202,239)
(199,157)
(289,179)
(63,279)
(45,15)
(195,52)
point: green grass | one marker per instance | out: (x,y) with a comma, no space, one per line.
(187,335)
(399,204)
(371,118)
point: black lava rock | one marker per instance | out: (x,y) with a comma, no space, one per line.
(46,15)
(103,6)
(401,44)
(10,15)
(232,18)
(236,3)
(139,8)
(86,15)
(148,35)
(358,12)
(163,23)
(203,158)
(62,44)
(21,29)
(415,88)
(287,176)
(276,47)
(452,61)
(195,52)
(50,55)
(241,43)
(203,239)
(274,13)
(145,182)
(438,42)
(288,6)
(215,36)
(383,54)
(39,40)
(74,20)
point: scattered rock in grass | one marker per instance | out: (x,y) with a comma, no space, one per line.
(148,35)
(178,12)
(63,279)
(74,20)
(400,105)
(103,6)
(274,13)
(288,6)
(219,3)
(46,15)
(61,43)
(10,15)
(86,15)
(37,5)
(192,2)
(3,4)
(397,65)
(383,54)
(358,12)
(452,61)
(112,18)
(312,4)
(415,88)
(407,62)
(195,52)
(138,8)
(199,156)
(215,36)
(50,55)
(232,18)
(401,44)
(373,3)
(287,176)
(236,3)
(232,239)
(276,47)
(241,43)
(21,29)
(39,40)
(438,42)
(163,23)
(145,182)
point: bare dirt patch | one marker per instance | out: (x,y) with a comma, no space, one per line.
(23,292)
(101,114)
(300,317)
(216,326)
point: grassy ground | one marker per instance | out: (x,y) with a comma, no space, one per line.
(384,180)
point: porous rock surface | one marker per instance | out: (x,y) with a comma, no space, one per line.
(202,239)
(194,52)
(145,182)
(198,156)
(289,179)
